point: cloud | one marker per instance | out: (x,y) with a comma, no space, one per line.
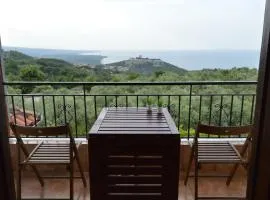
(132,24)
(145,2)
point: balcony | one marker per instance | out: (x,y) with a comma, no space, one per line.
(60,188)
(80,104)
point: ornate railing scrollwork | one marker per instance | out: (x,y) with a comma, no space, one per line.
(64,113)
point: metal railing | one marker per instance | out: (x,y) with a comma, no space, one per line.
(188,102)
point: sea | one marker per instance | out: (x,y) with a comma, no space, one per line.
(187,59)
(192,59)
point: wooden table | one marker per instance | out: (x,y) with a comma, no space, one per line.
(134,155)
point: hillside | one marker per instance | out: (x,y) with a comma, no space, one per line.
(21,67)
(143,66)
(17,56)
(72,56)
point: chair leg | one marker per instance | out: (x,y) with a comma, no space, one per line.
(80,166)
(189,165)
(71,181)
(235,167)
(32,166)
(19,180)
(232,172)
(41,181)
(196,181)
(19,195)
(71,175)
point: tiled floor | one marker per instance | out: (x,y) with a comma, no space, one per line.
(56,188)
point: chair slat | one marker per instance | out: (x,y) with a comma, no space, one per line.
(52,155)
(50,152)
(40,131)
(219,130)
(48,162)
(53,150)
(217,154)
(48,158)
(55,145)
(59,148)
(220,151)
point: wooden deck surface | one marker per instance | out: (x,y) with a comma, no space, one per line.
(60,188)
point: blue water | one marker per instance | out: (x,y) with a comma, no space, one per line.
(190,60)
(193,60)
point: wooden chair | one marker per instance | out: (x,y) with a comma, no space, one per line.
(217,152)
(47,153)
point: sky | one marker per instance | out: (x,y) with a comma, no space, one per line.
(132,24)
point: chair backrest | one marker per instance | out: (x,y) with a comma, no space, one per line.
(40,131)
(223,130)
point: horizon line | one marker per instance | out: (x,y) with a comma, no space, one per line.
(133,50)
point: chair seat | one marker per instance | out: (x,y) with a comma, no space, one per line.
(218,152)
(46,153)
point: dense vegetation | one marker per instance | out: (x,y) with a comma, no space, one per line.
(144,66)
(73,56)
(211,104)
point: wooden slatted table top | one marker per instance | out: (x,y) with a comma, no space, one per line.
(130,120)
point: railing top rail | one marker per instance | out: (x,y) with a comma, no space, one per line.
(133,83)
(130,95)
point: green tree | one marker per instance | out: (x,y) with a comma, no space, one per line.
(12,68)
(133,76)
(89,79)
(159,73)
(30,73)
